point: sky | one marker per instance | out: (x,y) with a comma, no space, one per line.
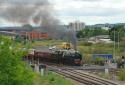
(88,11)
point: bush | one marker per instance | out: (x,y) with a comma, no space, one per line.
(87,58)
(99,61)
(85,43)
(121,75)
(13,71)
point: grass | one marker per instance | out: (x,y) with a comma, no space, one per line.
(81,45)
(121,75)
(46,43)
(52,79)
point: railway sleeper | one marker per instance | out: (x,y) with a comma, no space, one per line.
(79,79)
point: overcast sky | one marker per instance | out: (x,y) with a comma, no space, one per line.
(90,11)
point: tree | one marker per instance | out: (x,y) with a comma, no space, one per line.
(80,34)
(89,32)
(28,26)
(13,71)
(117,33)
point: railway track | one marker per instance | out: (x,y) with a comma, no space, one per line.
(80,76)
(85,78)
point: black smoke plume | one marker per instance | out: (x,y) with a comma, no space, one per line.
(35,11)
(27,11)
(72,37)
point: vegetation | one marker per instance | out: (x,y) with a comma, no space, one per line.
(89,32)
(54,79)
(28,26)
(13,71)
(100,48)
(117,33)
(121,75)
(46,43)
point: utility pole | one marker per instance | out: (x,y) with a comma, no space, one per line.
(114,47)
(118,42)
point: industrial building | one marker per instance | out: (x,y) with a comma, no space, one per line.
(35,34)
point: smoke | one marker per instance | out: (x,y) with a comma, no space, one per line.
(26,11)
(71,33)
(89,0)
(36,11)
(23,11)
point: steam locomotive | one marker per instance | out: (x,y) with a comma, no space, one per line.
(66,57)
